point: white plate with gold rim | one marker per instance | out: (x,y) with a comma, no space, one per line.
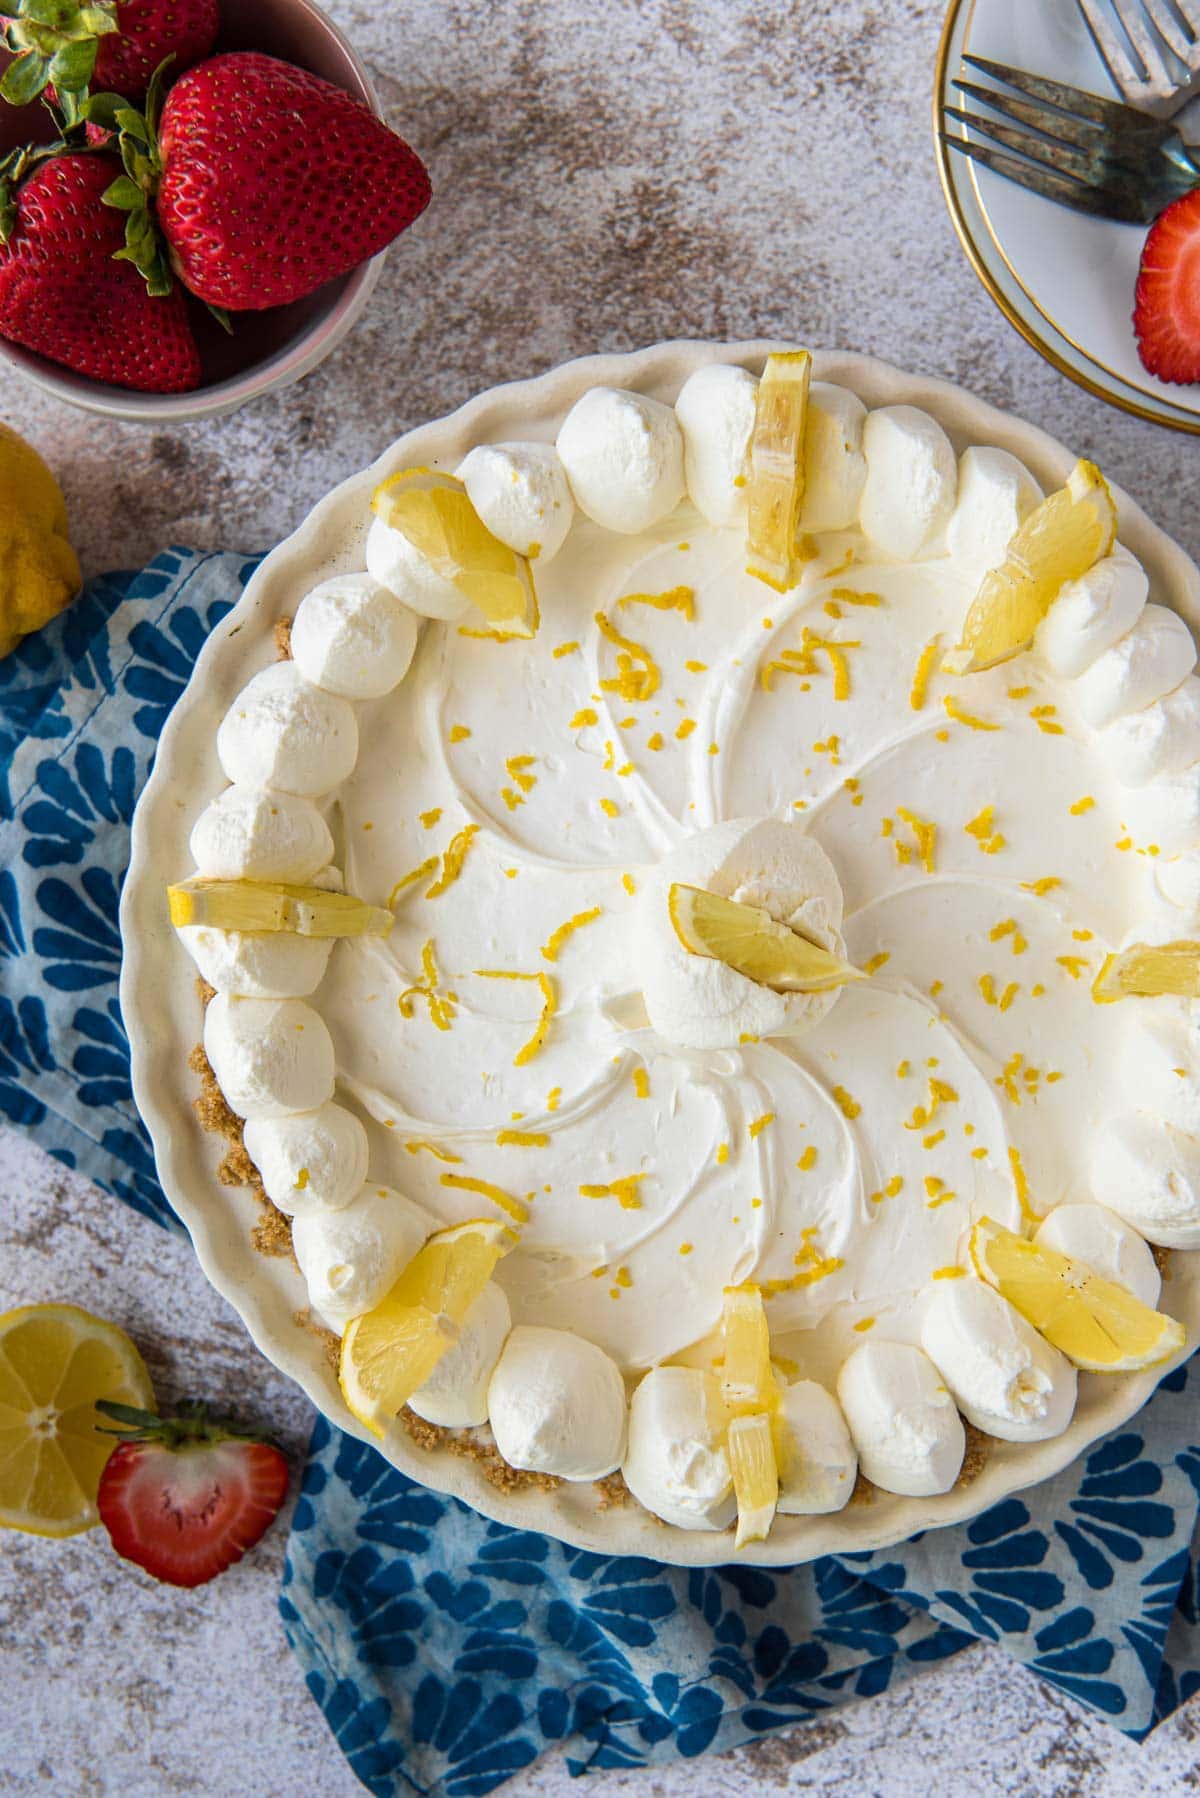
(163,1018)
(1064,280)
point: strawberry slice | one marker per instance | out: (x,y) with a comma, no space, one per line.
(1166,313)
(185,1497)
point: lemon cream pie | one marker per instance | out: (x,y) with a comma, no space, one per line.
(702,937)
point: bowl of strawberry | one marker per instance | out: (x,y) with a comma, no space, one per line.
(195,199)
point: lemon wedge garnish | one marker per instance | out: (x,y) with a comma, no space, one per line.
(1148,970)
(434,513)
(1060,540)
(1096,1323)
(55,1362)
(274,907)
(752,942)
(755,1476)
(389,1353)
(775,493)
(747,1383)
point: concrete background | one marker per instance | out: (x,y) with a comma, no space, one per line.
(605,175)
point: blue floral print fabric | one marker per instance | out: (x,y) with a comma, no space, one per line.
(446,1652)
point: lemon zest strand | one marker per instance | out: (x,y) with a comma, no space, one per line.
(556,939)
(515,1208)
(632,681)
(675,599)
(624,1190)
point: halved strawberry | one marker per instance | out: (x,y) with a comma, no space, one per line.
(1166,313)
(185,1497)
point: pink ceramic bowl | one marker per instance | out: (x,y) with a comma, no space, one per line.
(268,349)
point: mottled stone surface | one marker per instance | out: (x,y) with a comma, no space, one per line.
(605,176)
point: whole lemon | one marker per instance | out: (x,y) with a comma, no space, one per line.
(39,571)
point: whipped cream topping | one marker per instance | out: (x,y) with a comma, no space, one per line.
(257,965)
(623,454)
(699,1003)
(353,637)
(247,833)
(520,491)
(532,1040)
(283,733)
(1004,1377)
(556,1404)
(996,493)
(912,480)
(456,1393)
(715,410)
(906,1429)
(352,1257)
(1092,614)
(310,1161)
(271,1057)
(817,1459)
(676,1465)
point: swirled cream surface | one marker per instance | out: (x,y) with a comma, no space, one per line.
(513,800)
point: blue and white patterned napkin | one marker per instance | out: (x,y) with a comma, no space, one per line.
(445,1651)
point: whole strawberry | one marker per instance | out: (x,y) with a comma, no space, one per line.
(274,181)
(63,294)
(114,44)
(185,1497)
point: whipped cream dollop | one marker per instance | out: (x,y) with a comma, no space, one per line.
(906,1429)
(715,410)
(353,637)
(257,964)
(817,1460)
(282,732)
(310,1161)
(1149,661)
(1092,614)
(398,565)
(1149,1174)
(835,467)
(911,481)
(623,454)
(520,491)
(248,833)
(1162,738)
(677,1465)
(1101,1241)
(995,495)
(700,1003)
(456,1393)
(1004,1377)
(352,1258)
(270,1056)
(556,1404)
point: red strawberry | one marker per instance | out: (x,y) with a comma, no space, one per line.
(149,30)
(274,181)
(62,294)
(115,44)
(185,1497)
(1166,313)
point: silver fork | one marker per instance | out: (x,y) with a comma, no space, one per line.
(1151,49)
(1096,155)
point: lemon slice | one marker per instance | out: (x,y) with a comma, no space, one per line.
(1060,540)
(269,906)
(755,1476)
(55,1362)
(1096,1323)
(752,942)
(1148,970)
(434,513)
(776,490)
(747,1383)
(390,1352)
